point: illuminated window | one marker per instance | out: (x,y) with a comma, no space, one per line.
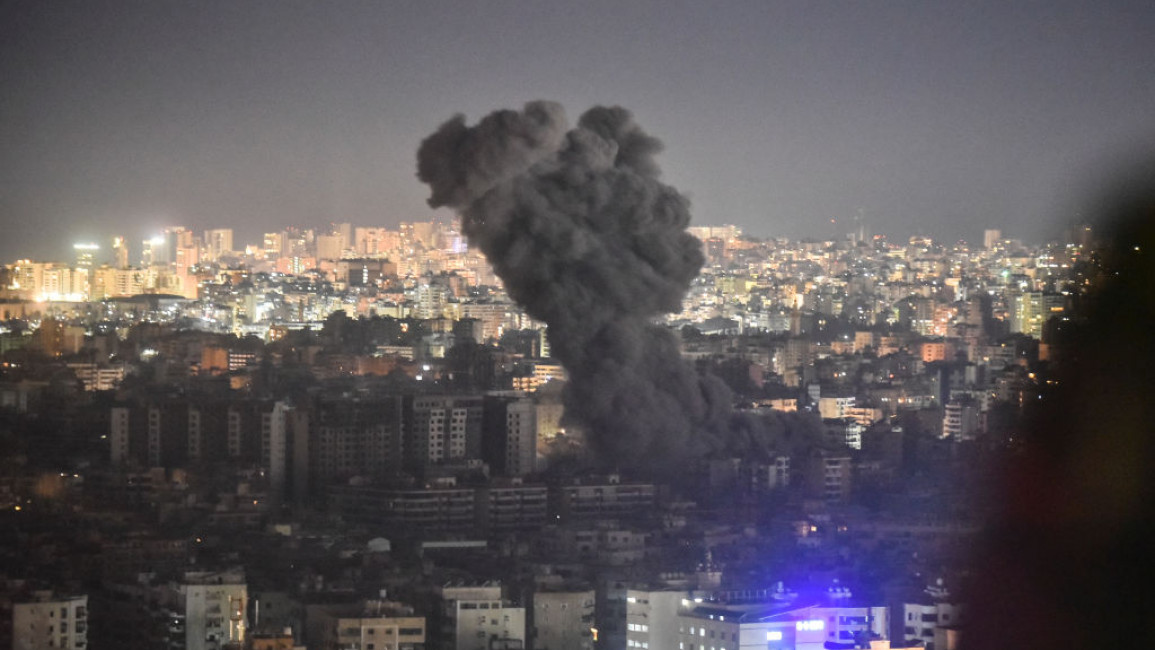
(809,626)
(774,635)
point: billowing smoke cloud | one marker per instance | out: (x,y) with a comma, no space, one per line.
(588,240)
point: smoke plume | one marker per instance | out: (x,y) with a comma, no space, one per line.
(589,241)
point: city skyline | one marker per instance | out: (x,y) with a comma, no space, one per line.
(120,252)
(942,120)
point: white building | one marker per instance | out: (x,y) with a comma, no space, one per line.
(477,618)
(927,619)
(962,419)
(779,627)
(774,474)
(652,618)
(207,609)
(49,621)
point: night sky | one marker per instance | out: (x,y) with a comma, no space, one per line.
(941,118)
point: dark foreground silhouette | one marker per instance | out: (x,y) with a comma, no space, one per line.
(1067,561)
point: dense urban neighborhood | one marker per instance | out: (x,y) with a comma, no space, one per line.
(350,437)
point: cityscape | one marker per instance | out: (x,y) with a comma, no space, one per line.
(588,325)
(337,435)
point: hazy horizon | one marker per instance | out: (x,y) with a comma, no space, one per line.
(121,118)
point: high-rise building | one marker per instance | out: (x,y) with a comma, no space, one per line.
(991,238)
(218,242)
(274,244)
(276,436)
(1081,234)
(40,281)
(355,437)
(418,234)
(152,251)
(344,229)
(828,476)
(119,435)
(85,263)
(173,432)
(431,299)
(176,238)
(85,255)
(185,262)
(1032,309)
(331,246)
(119,252)
(509,434)
(441,429)
(375,242)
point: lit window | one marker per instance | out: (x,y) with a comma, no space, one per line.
(809,626)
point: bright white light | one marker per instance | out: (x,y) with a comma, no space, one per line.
(774,635)
(810,626)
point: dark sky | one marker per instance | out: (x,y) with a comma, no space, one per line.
(937,117)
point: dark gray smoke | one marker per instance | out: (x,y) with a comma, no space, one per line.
(588,240)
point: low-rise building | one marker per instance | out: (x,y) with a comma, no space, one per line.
(43,620)
(477,617)
(368,625)
(563,620)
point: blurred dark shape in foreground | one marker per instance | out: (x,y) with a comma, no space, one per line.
(1067,561)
